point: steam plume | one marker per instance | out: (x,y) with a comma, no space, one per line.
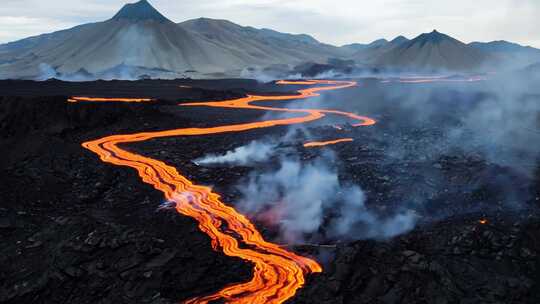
(297,197)
(253,152)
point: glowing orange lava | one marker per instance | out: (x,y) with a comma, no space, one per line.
(98,99)
(314,144)
(483,221)
(278,273)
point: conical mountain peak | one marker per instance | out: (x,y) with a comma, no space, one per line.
(399,40)
(140,11)
(434,37)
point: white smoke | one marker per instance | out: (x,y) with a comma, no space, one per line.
(268,74)
(356,220)
(46,71)
(330,74)
(297,198)
(306,199)
(253,152)
(257,74)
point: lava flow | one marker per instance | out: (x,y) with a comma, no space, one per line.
(314,144)
(278,273)
(98,99)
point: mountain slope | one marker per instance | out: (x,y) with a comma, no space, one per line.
(399,40)
(140,42)
(372,51)
(508,53)
(260,46)
(354,47)
(137,36)
(434,51)
(139,39)
(535,67)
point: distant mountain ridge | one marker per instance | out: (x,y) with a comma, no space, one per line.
(370,53)
(511,54)
(442,53)
(433,51)
(266,45)
(140,38)
(139,41)
(502,46)
(137,36)
(399,40)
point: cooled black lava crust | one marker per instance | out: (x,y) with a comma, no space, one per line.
(76,230)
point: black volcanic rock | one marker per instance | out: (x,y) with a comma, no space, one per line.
(140,11)
(77,230)
(311,69)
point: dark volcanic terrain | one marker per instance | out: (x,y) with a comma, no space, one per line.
(76,230)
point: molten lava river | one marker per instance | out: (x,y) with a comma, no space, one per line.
(277,273)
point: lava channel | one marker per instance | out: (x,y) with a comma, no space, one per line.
(99,99)
(315,144)
(277,273)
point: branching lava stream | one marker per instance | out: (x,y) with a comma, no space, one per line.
(278,273)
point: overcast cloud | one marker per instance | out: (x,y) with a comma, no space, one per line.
(337,22)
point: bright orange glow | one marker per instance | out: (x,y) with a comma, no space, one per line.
(277,273)
(483,221)
(98,99)
(314,144)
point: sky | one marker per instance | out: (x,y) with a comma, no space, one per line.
(336,22)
